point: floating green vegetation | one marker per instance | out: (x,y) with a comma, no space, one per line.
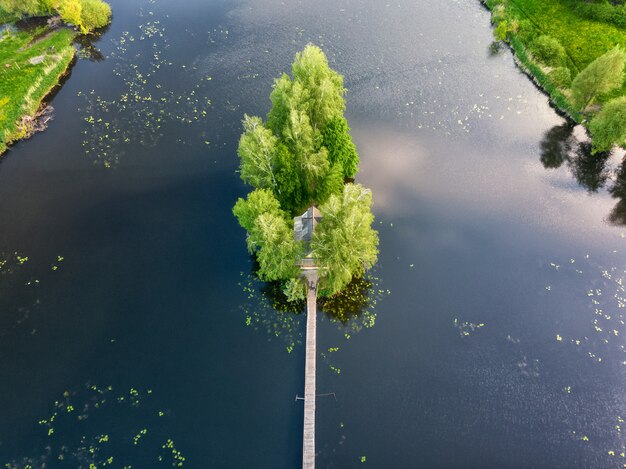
(606,299)
(31,64)
(97,427)
(466,328)
(137,116)
(266,308)
(20,279)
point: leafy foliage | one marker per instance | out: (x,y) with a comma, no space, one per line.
(257,152)
(608,128)
(95,14)
(257,203)
(602,75)
(548,50)
(344,242)
(341,149)
(301,157)
(561,77)
(304,150)
(86,15)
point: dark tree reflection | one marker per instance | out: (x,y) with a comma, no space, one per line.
(559,146)
(87,45)
(618,214)
(589,170)
(556,145)
(351,302)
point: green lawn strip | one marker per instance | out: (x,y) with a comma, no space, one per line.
(557,97)
(23,86)
(6,17)
(583,39)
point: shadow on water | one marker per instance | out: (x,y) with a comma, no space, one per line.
(266,306)
(86,44)
(96,426)
(559,145)
(618,191)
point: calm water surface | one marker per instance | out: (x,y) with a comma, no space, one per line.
(126,296)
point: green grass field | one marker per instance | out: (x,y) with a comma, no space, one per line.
(23,85)
(583,39)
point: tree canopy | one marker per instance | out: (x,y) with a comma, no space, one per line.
(608,127)
(304,150)
(300,157)
(86,15)
(344,243)
(600,76)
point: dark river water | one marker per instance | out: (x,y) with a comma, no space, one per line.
(133,334)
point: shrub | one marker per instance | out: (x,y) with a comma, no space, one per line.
(526,31)
(548,51)
(501,31)
(561,77)
(95,14)
(608,128)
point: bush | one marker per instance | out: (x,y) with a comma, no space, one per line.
(561,77)
(608,128)
(526,31)
(95,14)
(501,31)
(548,51)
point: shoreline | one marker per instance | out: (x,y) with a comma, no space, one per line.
(33,71)
(557,100)
(523,24)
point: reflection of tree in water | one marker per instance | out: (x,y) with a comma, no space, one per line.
(99,427)
(556,145)
(147,102)
(589,170)
(618,191)
(559,146)
(20,280)
(267,308)
(87,45)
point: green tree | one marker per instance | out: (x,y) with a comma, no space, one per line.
(23,7)
(608,127)
(277,251)
(257,152)
(602,75)
(344,243)
(70,11)
(299,157)
(257,203)
(341,149)
(548,50)
(323,99)
(95,14)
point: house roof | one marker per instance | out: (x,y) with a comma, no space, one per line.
(305,224)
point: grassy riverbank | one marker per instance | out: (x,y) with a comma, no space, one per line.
(24,85)
(577,32)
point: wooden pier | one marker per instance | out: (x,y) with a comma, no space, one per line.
(308,440)
(303,231)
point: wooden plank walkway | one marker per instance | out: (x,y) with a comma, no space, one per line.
(308,439)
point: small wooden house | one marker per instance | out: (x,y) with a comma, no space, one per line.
(304,225)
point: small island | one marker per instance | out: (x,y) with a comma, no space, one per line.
(303,158)
(307,222)
(575,51)
(34,59)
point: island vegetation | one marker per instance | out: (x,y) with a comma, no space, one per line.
(575,51)
(33,60)
(303,155)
